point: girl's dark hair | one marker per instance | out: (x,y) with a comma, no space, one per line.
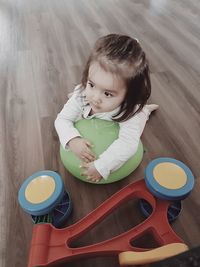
(124,57)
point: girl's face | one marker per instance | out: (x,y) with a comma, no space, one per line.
(104,91)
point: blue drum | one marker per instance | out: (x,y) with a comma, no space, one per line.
(43,196)
(168,179)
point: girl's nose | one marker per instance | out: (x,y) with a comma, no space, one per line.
(96,99)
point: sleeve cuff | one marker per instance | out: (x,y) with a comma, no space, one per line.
(102,170)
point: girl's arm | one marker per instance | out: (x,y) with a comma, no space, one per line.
(124,147)
(64,122)
(68,134)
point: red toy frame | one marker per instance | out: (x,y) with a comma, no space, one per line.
(51,245)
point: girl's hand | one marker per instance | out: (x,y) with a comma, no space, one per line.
(91,172)
(81,148)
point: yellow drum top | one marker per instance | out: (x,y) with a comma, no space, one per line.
(169,175)
(40,189)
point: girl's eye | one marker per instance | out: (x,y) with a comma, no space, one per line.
(107,94)
(91,84)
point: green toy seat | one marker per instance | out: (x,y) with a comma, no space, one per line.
(101,134)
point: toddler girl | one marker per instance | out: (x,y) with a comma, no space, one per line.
(115,86)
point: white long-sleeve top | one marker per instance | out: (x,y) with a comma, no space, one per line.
(124,147)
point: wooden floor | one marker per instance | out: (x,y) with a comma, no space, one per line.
(43,47)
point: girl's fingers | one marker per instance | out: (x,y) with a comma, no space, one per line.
(90,178)
(88,157)
(93,179)
(83,174)
(85,159)
(88,143)
(89,146)
(83,165)
(92,154)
